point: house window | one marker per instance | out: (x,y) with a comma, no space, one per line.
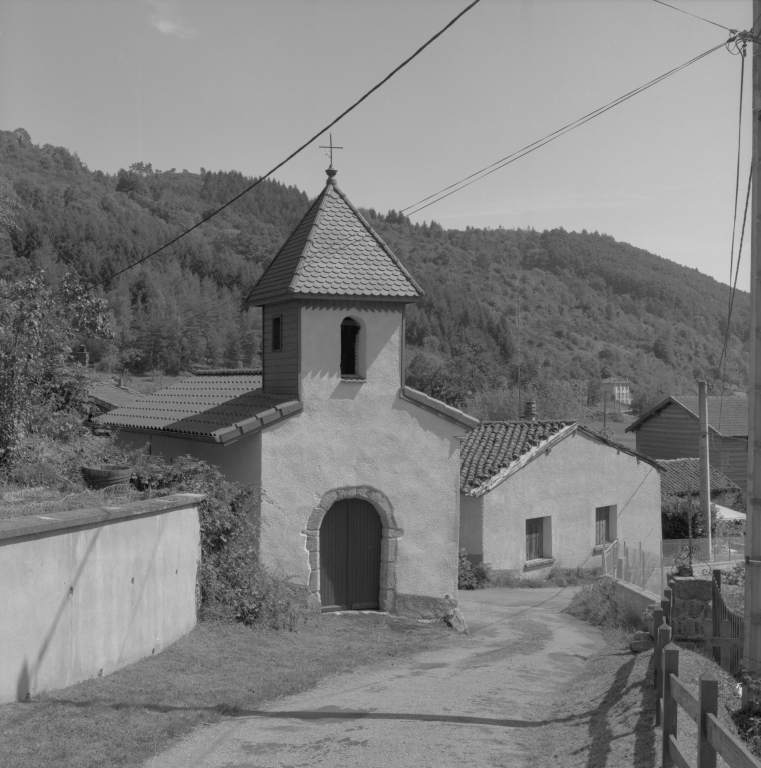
(349,335)
(535,538)
(602,526)
(277,333)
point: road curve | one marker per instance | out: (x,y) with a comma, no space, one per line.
(482,702)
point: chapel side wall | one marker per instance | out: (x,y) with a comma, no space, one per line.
(578,475)
(239,461)
(280,375)
(362,434)
(101,591)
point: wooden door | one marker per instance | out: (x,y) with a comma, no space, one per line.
(534,544)
(350,543)
(602,525)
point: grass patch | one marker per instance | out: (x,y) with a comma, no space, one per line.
(219,670)
(599,604)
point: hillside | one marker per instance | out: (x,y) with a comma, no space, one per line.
(589,306)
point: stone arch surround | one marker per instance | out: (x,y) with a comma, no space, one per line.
(391,532)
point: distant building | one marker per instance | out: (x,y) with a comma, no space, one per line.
(671,430)
(617,389)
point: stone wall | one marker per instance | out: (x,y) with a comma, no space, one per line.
(692,612)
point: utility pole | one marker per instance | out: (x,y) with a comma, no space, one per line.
(520,413)
(752,644)
(705,478)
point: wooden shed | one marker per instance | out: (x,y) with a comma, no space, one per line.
(671,430)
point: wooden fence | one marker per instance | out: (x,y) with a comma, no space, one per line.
(713,737)
(726,623)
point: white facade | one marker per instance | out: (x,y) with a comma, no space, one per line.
(564,487)
(362,438)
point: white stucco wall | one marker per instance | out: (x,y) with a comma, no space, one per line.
(87,592)
(363,434)
(239,461)
(567,484)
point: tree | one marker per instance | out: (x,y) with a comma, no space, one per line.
(37,328)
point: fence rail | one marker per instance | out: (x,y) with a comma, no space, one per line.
(671,693)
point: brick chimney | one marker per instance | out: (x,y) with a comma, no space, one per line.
(529,410)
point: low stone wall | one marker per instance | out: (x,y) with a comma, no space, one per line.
(87,592)
(634,597)
(692,611)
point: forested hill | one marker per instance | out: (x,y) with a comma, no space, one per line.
(589,306)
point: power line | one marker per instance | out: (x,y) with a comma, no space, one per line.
(732,293)
(681,10)
(529,148)
(293,154)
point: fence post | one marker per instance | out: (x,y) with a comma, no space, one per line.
(620,568)
(726,651)
(670,667)
(708,701)
(657,621)
(666,608)
(664,638)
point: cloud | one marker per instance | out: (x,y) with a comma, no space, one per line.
(166,18)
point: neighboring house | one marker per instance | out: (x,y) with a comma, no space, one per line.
(359,474)
(682,478)
(550,493)
(671,430)
(616,390)
(105,396)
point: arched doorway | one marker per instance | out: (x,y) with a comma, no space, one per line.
(350,554)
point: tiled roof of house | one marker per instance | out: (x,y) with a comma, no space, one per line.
(728,416)
(109,394)
(334,252)
(494,445)
(214,408)
(683,477)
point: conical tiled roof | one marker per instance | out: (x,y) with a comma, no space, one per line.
(334,252)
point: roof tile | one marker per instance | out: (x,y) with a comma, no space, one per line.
(203,407)
(682,477)
(334,250)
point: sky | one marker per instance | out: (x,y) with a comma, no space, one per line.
(240,84)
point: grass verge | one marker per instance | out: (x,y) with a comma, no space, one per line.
(219,670)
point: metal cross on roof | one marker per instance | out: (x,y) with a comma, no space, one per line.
(331,148)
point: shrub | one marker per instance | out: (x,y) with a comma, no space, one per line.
(599,604)
(471,575)
(232,582)
(736,576)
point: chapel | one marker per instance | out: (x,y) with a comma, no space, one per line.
(359,474)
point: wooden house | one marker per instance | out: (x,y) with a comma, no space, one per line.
(671,430)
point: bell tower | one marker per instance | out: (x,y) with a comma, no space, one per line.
(333,303)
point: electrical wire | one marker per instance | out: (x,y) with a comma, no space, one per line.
(293,154)
(550,137)
(681,10)
(732,293)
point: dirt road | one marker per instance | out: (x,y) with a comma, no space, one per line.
(488,701)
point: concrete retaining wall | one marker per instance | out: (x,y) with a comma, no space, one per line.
(86,592)
(637,598)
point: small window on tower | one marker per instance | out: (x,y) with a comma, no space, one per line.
(277,333)
(349,334)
